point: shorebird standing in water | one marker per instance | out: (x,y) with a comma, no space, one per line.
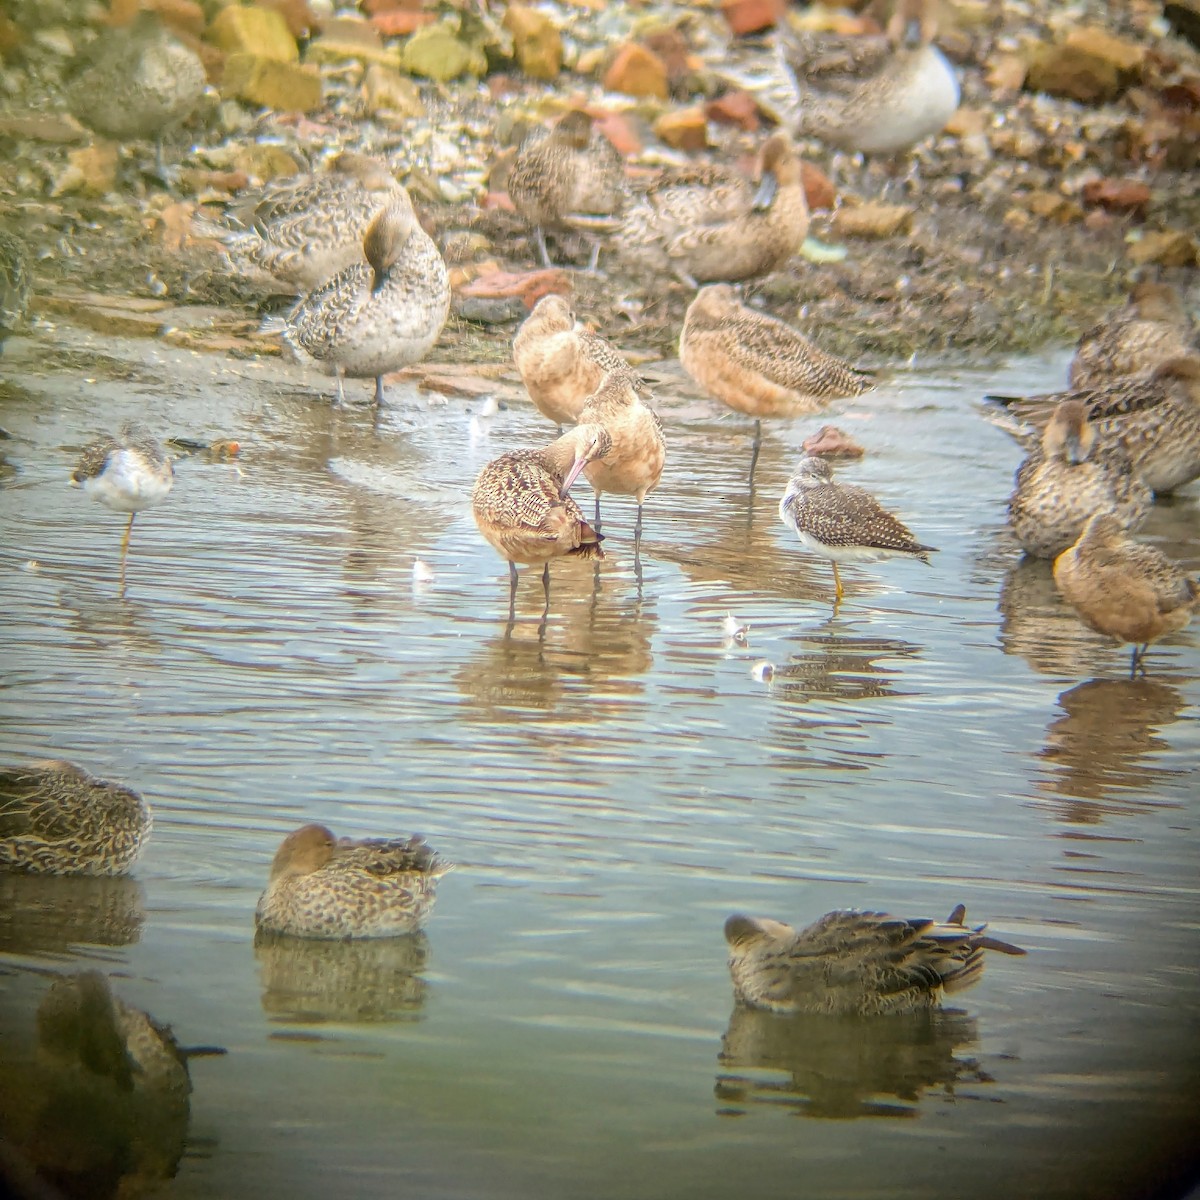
(127,473)
(522,507)
(1125,589)
(634,464)
(561,364)
(759,365)
(843,523)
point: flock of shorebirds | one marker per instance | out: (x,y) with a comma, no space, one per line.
(376,298)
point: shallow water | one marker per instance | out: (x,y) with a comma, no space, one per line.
(612,783)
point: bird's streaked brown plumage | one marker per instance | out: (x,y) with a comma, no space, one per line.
(1123,588)
(634,464)
(1154,415)
(757,364)
(522,507)
(325,887)
(1072,474)
(1150,328)
(701,225)
(57,819)
(863,963)
(571,177)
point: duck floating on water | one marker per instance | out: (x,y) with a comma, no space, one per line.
(862,963)
(58,819)
(326,887)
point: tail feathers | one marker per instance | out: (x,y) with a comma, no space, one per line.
(592,223)
(1003,401)
(273,324)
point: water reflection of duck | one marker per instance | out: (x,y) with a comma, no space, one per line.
(57,819)
(843,1066)
(51,914)
(327,887)
(1097,754)
(101,1108)
(367,980)
(866,963)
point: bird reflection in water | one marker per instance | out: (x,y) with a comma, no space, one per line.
(585,664)
(99,1106)
(51,914)
(1099,753)
(362,980)
(1036,625)
(822,1066)
(841,667)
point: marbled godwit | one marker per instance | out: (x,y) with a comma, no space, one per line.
(571,177)
(522,507)
(560,363)
(1151,327)
(56,819)
(325,887)
(873,95)
(1072,475)
(703,224)
(758,365)
(136,82)
(860,963)
(378,315)
(634,465)
(843,523)
(303,230)
(1155,416)
(126,473)
(16,284)
(1124,589)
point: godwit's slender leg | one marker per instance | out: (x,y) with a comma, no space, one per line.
(341,391)
(1137,660)
(125,553)
(637,530)
(756,446)
(546,584)
(543,253)
(838,590)
(596,521)
(594,258)
(378,389)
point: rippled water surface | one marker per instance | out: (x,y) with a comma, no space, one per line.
(611,784)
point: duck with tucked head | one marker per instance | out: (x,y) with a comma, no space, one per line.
(855,963)
(57,819)
(325,887)
(1150,328)
(302,230)
(1125,589)
(375,316)
(704,224)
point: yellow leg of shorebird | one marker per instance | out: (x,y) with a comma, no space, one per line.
(125,553)
(838,590)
